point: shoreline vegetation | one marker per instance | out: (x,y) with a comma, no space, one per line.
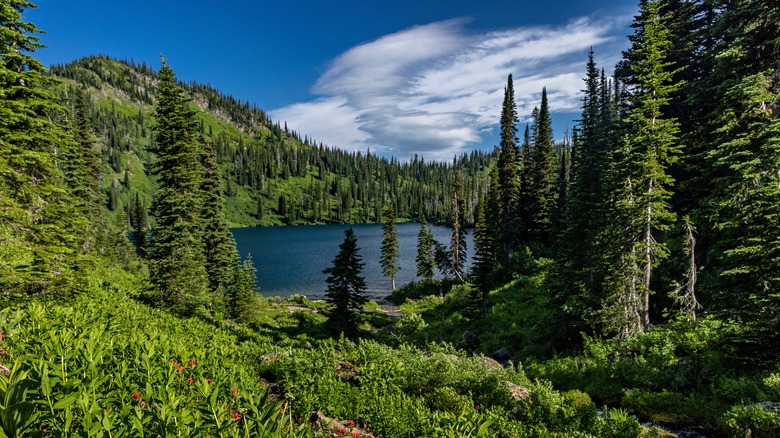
(624,282)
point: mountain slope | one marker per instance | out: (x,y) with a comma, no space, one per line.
(271,175)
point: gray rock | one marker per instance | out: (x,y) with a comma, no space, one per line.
(502,354)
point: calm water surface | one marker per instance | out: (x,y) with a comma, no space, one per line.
(290,260)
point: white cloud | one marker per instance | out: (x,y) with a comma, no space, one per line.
(435,90)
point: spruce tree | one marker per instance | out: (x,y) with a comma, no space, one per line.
(543,177)
(458,248)
(484,256)
(219,246)
(425,260)
(640,177)
(39,228)
(240,290)
(177,261)
(508,173)
(346,287)
(390,252)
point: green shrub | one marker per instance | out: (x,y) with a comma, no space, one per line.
(750,421)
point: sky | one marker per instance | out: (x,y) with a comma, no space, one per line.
(400,78)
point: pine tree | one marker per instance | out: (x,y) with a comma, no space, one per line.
(346,287)
(508,173)
(140,223)
(484,256)
(641,171)
(425,260)
(458,248)
(219,246)
(543,177)
(177,260)
(240,289)
(82,168)
(390,252)
(39,228)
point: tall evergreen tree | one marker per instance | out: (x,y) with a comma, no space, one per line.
(458,240)
(425,260)
(484,255)
(641,174)
(177,261)
(346,287)
(240,291)
(39,228)
(82,168)
(543,176)
(508,172)
(219,246)
(390,252)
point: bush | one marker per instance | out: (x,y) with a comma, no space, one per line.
(752,421)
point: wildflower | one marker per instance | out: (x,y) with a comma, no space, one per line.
(234,391)
(180,370)
(136,395)
(209,380)
(142,404)
(342,432)
(175,362)
(191,362)
(351,422)
(355,434)
(190,380)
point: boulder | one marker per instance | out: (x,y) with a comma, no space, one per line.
(4,370)
(502,354)
(471,339)
(491,363)
(518,392)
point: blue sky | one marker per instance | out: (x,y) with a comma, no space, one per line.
(401,78)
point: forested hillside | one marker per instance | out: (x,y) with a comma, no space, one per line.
(272,175)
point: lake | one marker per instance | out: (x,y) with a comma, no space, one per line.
(290,260)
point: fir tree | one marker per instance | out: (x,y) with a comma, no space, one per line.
(508,172)
(640,173)
(484,256)
(39,228)
(458,241)
(346,287)
(240,289)
(425,260)
(177,260)
(390,252)
(219,246)
(543,176)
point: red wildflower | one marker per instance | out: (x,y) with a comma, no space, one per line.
(209,380)
(355,434)
(142,404)
(136,395)
(342,432)
(175,362)
(351,422)
(191,362)
(180,370)
(236,416)
(234,391)
(190,380)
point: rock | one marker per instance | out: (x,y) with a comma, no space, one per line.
(4,370)
(345,370)
(769,406)
(346,428)
(270,357)
(471,339)
(502,354)
(491,363)
(519,393)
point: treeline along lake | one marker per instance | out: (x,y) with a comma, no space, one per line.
(290,260)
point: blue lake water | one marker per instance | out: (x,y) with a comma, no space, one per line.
(290,260)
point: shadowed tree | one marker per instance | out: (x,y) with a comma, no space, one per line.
(346,287)
(390,252)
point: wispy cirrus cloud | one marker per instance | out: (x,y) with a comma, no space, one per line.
(435,90)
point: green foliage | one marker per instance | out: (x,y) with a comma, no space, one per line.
(103,364)
(425,260)
(346,287)
(751,421)
(390,251)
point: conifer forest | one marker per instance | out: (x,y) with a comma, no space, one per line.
(625,281)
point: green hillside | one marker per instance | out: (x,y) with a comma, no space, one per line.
(271,175)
